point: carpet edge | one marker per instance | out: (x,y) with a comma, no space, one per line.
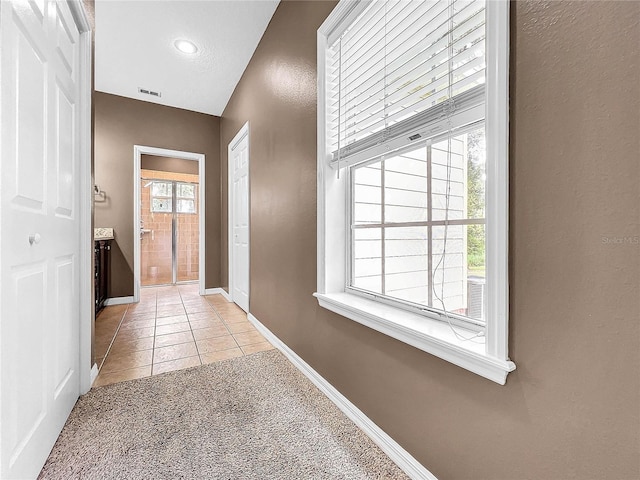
(388,445)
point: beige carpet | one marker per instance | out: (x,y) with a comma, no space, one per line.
(253,417)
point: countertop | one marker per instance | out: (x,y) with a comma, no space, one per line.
(103,233)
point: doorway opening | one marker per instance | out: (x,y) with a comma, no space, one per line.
(169,218)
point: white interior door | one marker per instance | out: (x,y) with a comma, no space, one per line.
(40,230)
(239,203)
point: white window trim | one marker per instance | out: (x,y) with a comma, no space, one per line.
(490,359)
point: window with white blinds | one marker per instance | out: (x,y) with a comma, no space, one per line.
(413,169)
(403,70)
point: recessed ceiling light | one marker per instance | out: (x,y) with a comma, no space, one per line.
(185,46)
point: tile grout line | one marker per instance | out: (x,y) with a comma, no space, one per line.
(228,329)
(209,307)
(115,336)
(215,310)
(190,327)
(113,340)
(155,321)
(264,340)
(233,335)
(224,323)
(219,318)
(154,338)
(120,331)
(106,354)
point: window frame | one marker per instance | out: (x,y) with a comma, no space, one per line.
(489,359)
(468,323)
(162,197)
(192,199)
(174,197)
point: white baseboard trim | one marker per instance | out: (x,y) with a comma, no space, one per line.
(388,445)
(218,290)
(118,301)
(94,373)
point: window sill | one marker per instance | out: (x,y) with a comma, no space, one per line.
(431,336)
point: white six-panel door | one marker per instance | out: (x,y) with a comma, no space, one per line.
(40,229)
(239,215)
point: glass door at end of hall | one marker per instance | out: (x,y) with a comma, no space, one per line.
(169,232)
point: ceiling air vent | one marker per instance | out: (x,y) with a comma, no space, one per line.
(149,92)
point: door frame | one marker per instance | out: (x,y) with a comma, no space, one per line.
(243,132)
(87,370)
(138,151)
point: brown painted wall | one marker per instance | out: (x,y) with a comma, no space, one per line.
(122,123)
(571,409)
(168,164)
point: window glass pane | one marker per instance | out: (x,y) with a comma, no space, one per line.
(367,259)
(161,189)
(186,190)
(406,187)
(476,250)
(406,264)
(476,274)
(449,268)
(459,270)
(445,271)
(458,172)
(448,173)
(186,206)
(161,205)
(367,194)
(476,173)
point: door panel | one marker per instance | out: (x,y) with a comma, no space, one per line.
(66,38)
(187,233)
(156,232)
(25,406)
(240,223)
(30,111)
(176,216)
(39,221)
(64,331)
(65,156)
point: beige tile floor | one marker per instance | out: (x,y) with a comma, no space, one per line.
(172,327)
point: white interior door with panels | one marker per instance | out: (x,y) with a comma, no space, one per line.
(239,218)
(43,258)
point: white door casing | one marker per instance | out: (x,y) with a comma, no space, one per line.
(138,151)
(239,218)
(43,101)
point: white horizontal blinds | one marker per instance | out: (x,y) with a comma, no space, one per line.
(400,58)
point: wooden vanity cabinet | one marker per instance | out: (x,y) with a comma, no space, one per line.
(102,249)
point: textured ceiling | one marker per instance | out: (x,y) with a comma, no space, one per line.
(134,48)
